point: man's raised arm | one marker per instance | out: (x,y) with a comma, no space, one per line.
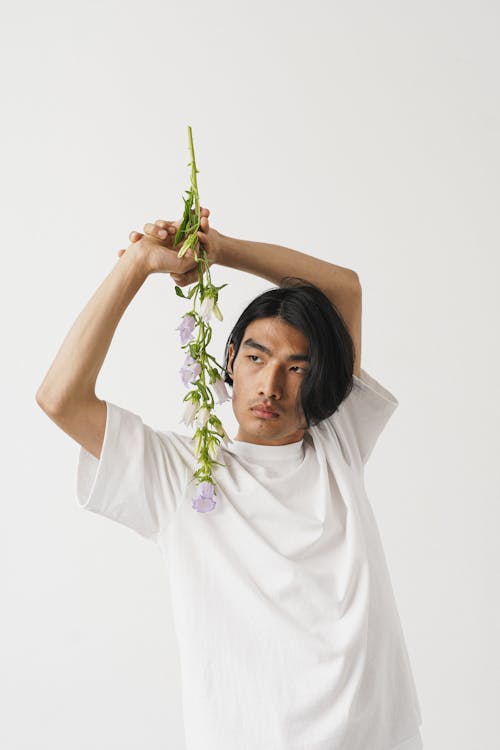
(67,393)
(273,262)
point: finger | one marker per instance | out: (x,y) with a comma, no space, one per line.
(120,252)
(155,231)
(203,211)
(191,276)
(170,226)
(183,279)
(134,236)
(180,279)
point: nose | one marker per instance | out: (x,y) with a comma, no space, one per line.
(270,383)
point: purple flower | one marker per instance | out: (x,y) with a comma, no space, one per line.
(185,328)
(204,501)
(190,370)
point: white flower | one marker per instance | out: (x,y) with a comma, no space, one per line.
(206,308)
(202,417)
(190,412)
(221,391)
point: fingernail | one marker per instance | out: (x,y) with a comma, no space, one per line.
(162,233)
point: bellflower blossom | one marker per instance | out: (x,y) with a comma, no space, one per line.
(199,366)
(186,328)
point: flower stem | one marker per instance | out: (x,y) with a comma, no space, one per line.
(205,294)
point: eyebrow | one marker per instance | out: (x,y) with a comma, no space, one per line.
(250,343)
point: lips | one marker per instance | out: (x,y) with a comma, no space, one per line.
(260,410)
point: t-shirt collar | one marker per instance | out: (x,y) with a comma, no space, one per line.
(264,453)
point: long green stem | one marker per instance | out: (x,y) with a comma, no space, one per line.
(188,232)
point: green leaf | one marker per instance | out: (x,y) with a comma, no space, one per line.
(179,292)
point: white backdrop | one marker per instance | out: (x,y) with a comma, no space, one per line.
(362,133)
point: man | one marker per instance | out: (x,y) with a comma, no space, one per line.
(288,631)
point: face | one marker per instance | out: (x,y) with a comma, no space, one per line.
(270,378)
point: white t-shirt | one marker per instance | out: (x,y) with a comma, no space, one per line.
(288,632)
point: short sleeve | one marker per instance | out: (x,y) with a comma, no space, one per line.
(364,413)
(139,477)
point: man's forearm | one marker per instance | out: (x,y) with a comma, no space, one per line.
(73,374)
(273,262)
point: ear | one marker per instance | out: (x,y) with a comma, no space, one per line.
(230,355)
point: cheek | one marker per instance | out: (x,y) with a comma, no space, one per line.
(240,396)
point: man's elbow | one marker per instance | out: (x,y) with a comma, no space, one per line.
(355,280)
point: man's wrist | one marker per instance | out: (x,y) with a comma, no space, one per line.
(222,249)
(136,260)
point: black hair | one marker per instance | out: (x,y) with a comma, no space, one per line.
(302,304)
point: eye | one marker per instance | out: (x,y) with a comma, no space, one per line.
(294,367)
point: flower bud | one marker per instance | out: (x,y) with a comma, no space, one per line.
(198,440)
(213,447)
(187,244)
(217,312)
